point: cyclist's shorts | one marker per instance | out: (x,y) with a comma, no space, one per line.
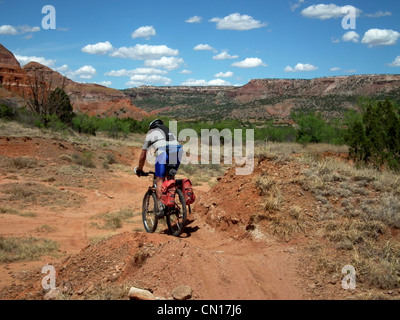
(172,156)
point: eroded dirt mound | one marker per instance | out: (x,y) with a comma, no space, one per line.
(160,263)
(241,205)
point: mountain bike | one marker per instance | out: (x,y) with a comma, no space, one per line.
(175,216)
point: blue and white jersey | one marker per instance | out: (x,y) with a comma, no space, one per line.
(156,139)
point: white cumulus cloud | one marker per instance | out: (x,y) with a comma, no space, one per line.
(100,48)
(85,72)
(227,74)
(218,82)
(326,11)
(205,47)
(144,32)
(293,7)
(144,52)
(146,79)
(396,62)
(380,37)
(25,59)
(379,14)
(195,19)
(224,56)
(236,21)
(8,30)
(12,31)
(167,63)
(130,73)
(105,83)
(249,63)
(301,67)
(351,36)
(204,83)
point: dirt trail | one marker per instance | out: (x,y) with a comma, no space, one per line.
(218,263)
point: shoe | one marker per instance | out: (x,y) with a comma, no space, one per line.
(161,210)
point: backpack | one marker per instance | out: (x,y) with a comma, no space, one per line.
(168,193)
(188,192)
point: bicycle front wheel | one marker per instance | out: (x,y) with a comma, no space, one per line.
(149,210)
(176,217)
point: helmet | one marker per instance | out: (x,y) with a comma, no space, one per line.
(155,123)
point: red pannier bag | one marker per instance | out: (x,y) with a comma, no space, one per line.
(188,192)
(168,193)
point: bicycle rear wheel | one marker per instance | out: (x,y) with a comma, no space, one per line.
(176,217)
(149,210)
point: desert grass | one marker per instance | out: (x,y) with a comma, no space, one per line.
(85,159)
(30,193)
(356,216)
(369,208)
(45,228)
(23,162)
(6,210)
(113,220)
(100,141)
(25,249)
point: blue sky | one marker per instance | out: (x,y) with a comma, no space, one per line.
(124,43)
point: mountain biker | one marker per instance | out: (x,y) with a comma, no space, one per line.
(168,153)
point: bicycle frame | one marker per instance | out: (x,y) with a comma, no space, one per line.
(175,215)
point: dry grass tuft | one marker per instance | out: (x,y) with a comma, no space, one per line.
(22,249)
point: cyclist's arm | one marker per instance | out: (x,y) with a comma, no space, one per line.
(142,159)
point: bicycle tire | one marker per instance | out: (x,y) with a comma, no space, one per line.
(176,218)
(150,221)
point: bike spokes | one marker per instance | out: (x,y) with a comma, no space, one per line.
(150,207)
(176,217)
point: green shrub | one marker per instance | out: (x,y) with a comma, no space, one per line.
(6,112)
(374,138)
(313,128)
(85,124)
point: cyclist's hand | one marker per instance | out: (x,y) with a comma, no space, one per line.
(138,172)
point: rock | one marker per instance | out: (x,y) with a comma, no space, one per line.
(140,294)
(52,294)
(182,293)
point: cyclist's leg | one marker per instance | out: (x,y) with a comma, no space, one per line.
(161,172)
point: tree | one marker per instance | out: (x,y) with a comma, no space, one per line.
(45,101)
(311,127)
(60,105)
(375,137)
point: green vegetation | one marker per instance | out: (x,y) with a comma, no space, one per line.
(313,128)
(374,136)
(6,112)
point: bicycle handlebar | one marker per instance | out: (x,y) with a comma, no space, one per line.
(146,174)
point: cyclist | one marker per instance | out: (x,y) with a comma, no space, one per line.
(168,153)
